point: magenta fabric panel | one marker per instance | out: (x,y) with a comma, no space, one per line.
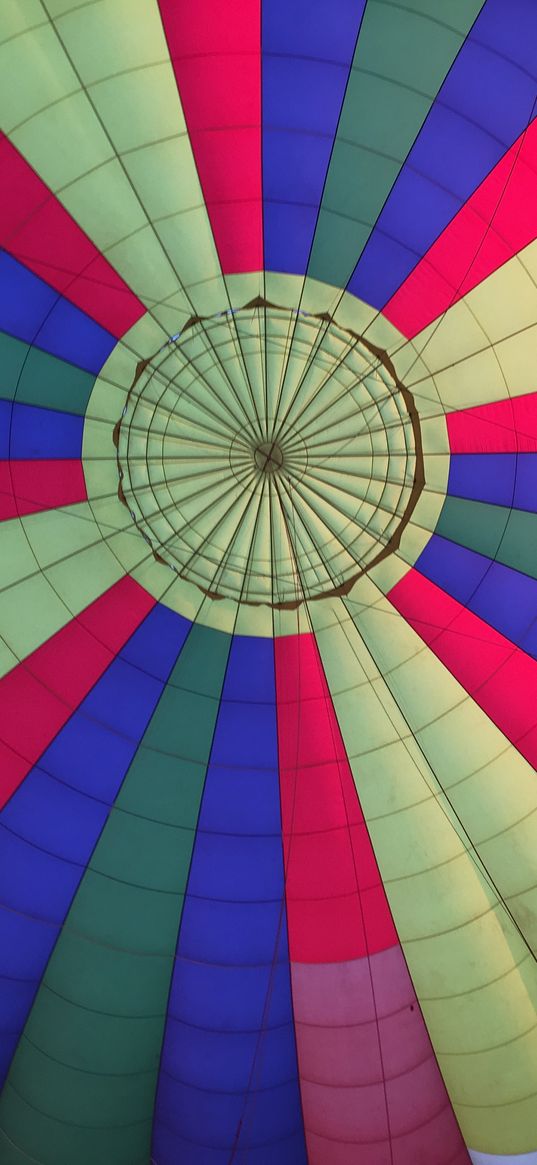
(372,1091)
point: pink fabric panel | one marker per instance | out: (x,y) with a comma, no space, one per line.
(496,222)
(39,694)
(367,1069)
(500,677)
(506,426)
(215,50)
(37,230)
(336,904)
(27,487)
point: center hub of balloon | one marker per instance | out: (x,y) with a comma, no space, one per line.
(269,455)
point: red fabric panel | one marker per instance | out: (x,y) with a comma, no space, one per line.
(322,1151)
(368,1073)
(507,426)
(38,696)
(216,55)
(336,905)
(501,678)
(470,249)
(26,487)
(36,229)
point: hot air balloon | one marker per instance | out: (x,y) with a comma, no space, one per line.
(268,597)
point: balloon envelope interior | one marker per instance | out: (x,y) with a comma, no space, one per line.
(268,582)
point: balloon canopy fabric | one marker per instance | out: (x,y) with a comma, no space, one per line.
(268,582)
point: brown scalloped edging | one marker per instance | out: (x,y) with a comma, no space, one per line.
(417,485)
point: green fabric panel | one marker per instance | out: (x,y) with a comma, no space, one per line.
(49,1142)
(34,377)
(402,58)
(91,1046)
(519,545)
(509,536)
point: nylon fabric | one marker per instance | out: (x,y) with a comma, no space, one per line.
(268,582)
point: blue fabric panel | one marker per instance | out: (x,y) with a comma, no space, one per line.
(121,698)
(307,53)
(203,992)
(317,87)
(35,312)
(247,741)
(33,881)
(208,1060)
(244,803)
(18,998)
(504,479)
(454,568)
(382,254)
(250,673)
(289,155)
(484,104)
(89,756)
(214,1116)
(25,300)
(52,823)
(504,598)
(500,29)
(216,930)
(228,1081)
(525,497)
(28,433)
(157,642)
(26,943)
(306,28)
(231,868)
(40,810)
(482,477)
(283,222)
(168,1146)
(507,599)
(468,88)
